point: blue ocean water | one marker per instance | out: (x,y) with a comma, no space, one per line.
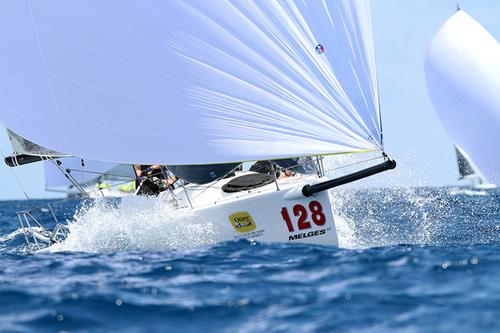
(411,260)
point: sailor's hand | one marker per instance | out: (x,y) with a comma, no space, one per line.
(171,180)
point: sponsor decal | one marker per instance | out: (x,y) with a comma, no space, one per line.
(308,234)
(242,222)
(250,235)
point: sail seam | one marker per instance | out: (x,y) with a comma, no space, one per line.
(44,64)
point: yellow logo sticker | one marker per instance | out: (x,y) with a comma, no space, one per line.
(242,222)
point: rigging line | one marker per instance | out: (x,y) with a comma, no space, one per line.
(103,173)
(97,189)
(123,182)
(117,184)
(312,162)
(69,177)
(216,181)
(111,186)
(356,163)
(17,179)
(379,107)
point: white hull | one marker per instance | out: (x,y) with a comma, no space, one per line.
(264,214)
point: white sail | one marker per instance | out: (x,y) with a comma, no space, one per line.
(174,82)
(89,173)
(463,79)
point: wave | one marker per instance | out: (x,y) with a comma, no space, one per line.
(134,223)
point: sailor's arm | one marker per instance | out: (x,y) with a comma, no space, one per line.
(137,170)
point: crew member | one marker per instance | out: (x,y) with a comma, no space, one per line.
(270,168)
(151,179)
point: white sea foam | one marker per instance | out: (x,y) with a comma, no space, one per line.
(10,236)
(345,233)
(361,211)
(136,223)
(465,191)
(388,218)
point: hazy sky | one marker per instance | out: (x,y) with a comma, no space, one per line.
(412,132)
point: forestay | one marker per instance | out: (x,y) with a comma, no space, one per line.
(195,82)
(463,79)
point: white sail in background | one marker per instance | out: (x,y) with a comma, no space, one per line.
(195,82)
(90,173)
(463,79)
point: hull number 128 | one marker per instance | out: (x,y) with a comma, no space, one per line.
(302,214)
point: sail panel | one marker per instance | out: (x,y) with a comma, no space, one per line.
(463,80)
(177,82)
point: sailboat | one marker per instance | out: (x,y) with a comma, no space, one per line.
(199,88)
(98,179)
(468,171)
(463,79)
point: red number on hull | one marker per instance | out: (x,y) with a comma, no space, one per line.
(286,217)
(301,212)
(317,215)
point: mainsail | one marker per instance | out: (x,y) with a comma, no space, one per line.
(463,79)
(22,146)
(26,152)
(176,83)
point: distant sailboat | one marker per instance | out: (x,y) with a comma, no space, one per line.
(468,171)
(96,178)
(464,168)
(463,80)
(201,87)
